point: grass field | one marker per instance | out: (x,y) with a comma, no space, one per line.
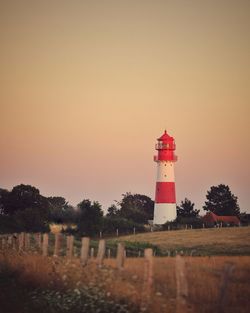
(210,241)
(32,283)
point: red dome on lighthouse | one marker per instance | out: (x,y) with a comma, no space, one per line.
(165,137)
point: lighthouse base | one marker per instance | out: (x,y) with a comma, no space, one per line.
(164,212)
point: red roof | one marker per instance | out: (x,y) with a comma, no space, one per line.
(210,217)
(165,137)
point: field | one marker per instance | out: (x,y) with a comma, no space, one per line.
(30,282)
(208,241)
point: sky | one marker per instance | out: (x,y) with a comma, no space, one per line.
(86,88)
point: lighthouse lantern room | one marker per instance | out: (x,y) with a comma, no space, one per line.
(165,201)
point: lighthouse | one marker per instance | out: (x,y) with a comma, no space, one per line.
(165,201)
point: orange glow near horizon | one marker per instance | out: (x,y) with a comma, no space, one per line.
(88,86)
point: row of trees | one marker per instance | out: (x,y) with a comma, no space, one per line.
(25,209)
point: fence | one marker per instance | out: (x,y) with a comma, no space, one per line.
(58,245)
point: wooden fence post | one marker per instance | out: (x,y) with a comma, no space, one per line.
(38,239)
(15,241)
(70,244)
(109,253)
(21,241)
(58,240)
(27,241)
(45,244)
(3,243)
(9,240)
(226,275)
(85,251)
(147,279)
(181,285)
(120,256)
(101,252)
(192,252)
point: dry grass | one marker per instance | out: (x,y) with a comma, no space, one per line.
(204,278)
(211,241)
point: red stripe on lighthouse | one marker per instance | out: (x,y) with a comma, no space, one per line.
(165,192)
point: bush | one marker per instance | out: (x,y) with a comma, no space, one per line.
(31,220)
(7,224)
(124,226)
(28,220)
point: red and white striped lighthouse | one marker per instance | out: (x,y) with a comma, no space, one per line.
(165,201)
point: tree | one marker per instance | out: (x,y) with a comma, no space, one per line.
(22,197)
(186,209)
(61,211)
(4,194)
(56,202)
(136,207)
(113,211)
(24,208)
(221,201)
(31,220)
(90,218)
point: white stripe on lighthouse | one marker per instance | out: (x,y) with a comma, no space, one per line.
(165,171)
(164,212)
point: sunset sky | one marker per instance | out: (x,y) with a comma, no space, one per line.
(87,87)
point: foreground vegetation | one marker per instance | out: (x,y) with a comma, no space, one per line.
(30,282)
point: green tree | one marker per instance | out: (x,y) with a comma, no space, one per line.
(113,211)
(61,211)
(90,218)
(136,207)
(186,209)
(4,194)
(221,201)
(31,220)
(22,197)
(25,209)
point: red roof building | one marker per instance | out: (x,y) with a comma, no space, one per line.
(212,219)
